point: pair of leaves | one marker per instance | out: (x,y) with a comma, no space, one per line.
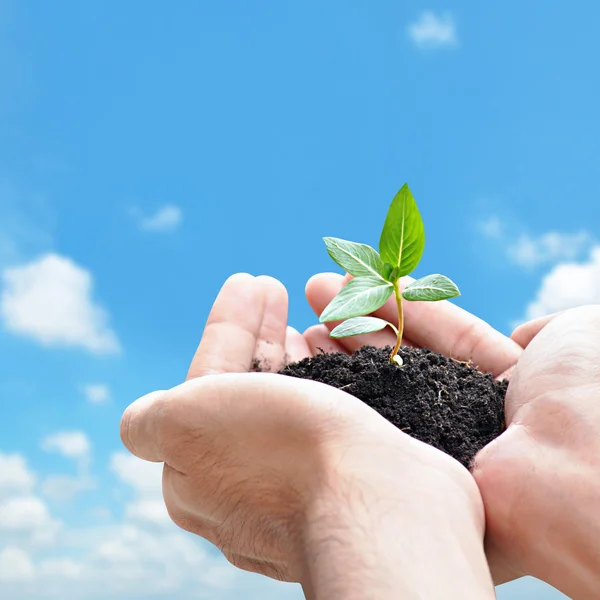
(364,295)
(376,275)
(427,289)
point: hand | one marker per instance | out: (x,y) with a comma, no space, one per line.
(440,326)
(540,480)
(298,480)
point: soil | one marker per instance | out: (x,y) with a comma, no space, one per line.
(445,403)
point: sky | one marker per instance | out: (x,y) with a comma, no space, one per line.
(148,150)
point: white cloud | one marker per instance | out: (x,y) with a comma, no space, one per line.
(64,488)
(76,446)
(97,393)
(23,513)
(567,285)
(146,480)
(70,444)
(433,30)
(140,556)
(26,520)
(144,477)
(15,475)
(150,511)
(493,227)
(50,300)
(15,565)
(530,251)
(101,512)
(165,220)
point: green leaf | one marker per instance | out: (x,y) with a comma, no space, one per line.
(430,289)
(387,271)
(403,237)
(357,259)
(358,326)
(360,296)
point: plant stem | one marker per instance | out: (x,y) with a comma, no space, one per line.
(400,321)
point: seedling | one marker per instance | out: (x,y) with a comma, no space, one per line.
(377,274)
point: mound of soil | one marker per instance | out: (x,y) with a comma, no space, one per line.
(447,404)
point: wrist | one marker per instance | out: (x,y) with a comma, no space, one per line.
(411,529)
(565,539)
(541,502)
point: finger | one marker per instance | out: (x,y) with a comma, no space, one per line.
(296,346)
(232,329)
(139,426)
(506,375)
(454,332)
(318,339)
(440,326)
(524,333)
(270,344)
(320,290)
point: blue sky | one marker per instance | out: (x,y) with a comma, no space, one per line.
(149,150)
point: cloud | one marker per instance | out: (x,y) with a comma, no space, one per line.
(144,477)
(165,220)
(76,446)
(70,444)
(433,30)
(567,285)
(63,488)
(26,520)
(15,565)
(146,480)
(50,301)
(23,513)
(531,251)
(15,475)
(492,227)
(97,393)
(141,555)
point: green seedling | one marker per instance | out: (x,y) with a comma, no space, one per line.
(377,274)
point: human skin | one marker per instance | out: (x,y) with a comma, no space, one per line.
(300,481)
(540,480)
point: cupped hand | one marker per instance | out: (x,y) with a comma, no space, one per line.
(540,479)
(258,463)
(440,326)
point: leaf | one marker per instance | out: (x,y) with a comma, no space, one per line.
(358,326)
(357,259)
(387,271)
(360,296)
(430,289)
(403,237)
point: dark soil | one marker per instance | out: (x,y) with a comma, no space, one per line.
(447,404)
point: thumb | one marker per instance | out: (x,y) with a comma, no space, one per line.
(524,333)
(140,426)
